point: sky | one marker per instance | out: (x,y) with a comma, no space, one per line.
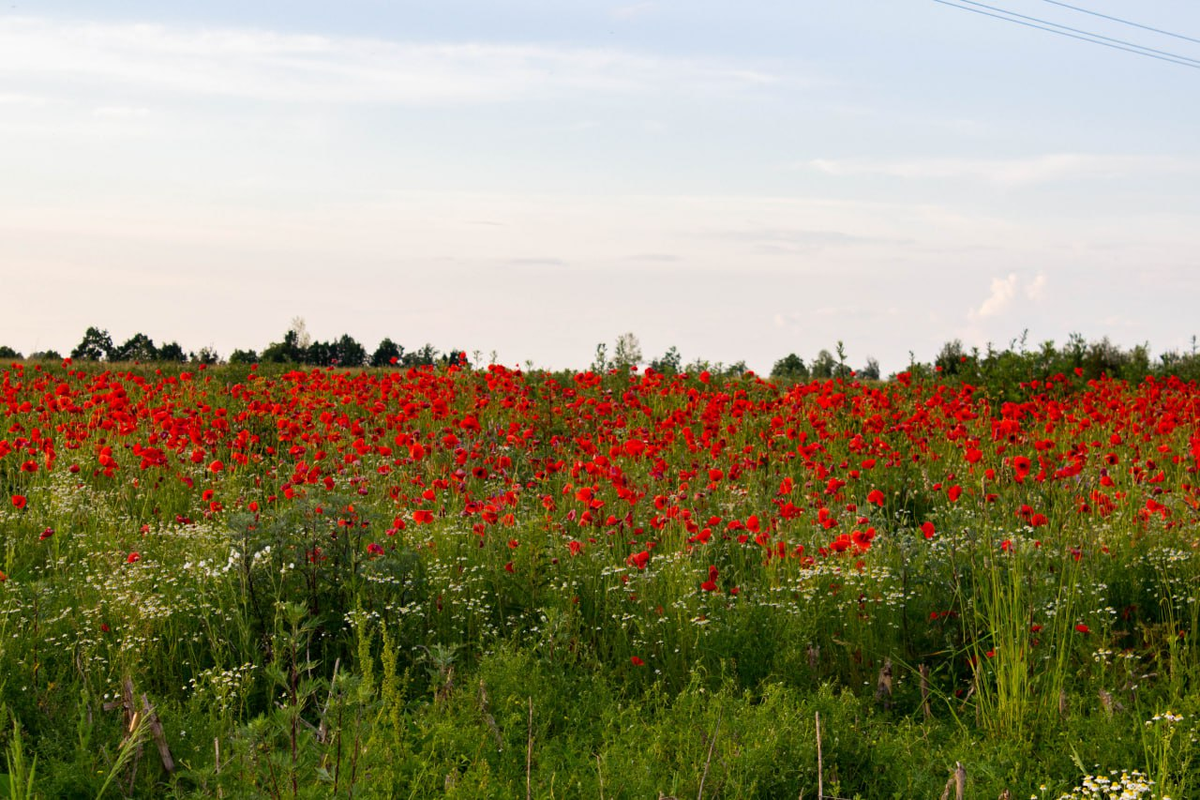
(530,178)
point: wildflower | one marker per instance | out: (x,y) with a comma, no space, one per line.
(1081,628)
(19,501)
(637,662)
(134,557)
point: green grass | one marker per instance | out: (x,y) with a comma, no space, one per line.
(484,656)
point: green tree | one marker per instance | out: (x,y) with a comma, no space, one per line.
(790,366)
(347,352)
(385,353)
(8,352)
(627,353)
(425,357)
(286,352)
(96,345)
(871,371)
(138,347)
(669,364)
(243,357)
(950,357)
(205,355)
(172,352)
(319,353)
(45,355)
(824,365)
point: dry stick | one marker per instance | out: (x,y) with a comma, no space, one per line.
(491,721)
(217,762)
(924,670)
(529,756)
(883,687)
(711,744)
(127,693)
(323,730)
(160,738)
(958,781)
(820,766)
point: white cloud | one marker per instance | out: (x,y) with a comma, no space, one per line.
(121,112)
(632,11)
(231,62)
(1036,290)
(1010,172)
(1003,291)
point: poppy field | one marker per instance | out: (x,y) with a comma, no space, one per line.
(239,581)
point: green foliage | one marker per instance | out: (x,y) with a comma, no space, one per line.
(96,345)
(138,347)
(671,363)
(386,354)
(790,366)
(243,357)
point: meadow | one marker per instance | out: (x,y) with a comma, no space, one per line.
(236,581)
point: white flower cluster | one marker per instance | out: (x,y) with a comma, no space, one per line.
(1166,716)
(1125,786)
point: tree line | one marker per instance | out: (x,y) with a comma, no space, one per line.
(296,347)
(1001,370)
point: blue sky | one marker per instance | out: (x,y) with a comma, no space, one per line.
(740,181)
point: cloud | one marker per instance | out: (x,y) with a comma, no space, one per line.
(1011,172)
(1004,291)
(534,262)
(793,240)
(632,11)
(1037,289)
(262,65)
(121,112)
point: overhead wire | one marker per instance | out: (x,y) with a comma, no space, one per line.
(1083,32)
(1123,21)
(1133,48)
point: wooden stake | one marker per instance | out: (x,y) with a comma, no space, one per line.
(322,729)
(712,743)
(820,765)
(924,670)
(160,738)
(529,756)
(883,686)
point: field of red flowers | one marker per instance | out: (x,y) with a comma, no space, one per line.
(487,583)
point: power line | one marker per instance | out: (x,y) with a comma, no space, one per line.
(1123,21)
(1135,49)
(1077,30)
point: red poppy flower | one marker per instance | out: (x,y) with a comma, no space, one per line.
(1081,628)
(875,496)
(423,516)
(19,501)
(637,662)
(134,557)
(928,530)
